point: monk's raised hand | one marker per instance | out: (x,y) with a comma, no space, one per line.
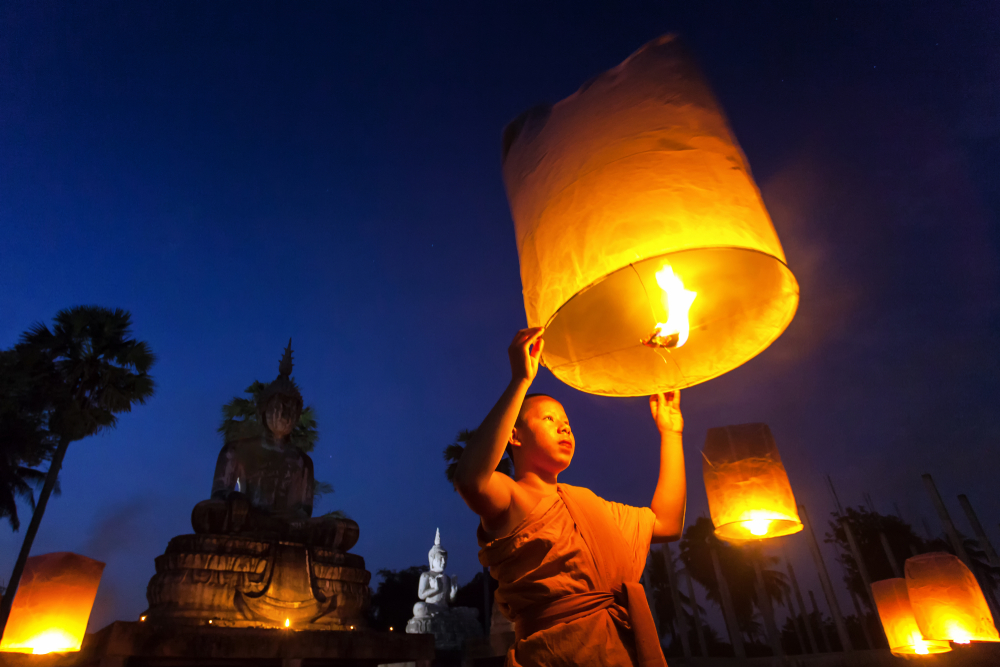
(525,353)
(666,409)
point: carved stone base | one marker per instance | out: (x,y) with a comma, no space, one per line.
(451,627)
(230,581)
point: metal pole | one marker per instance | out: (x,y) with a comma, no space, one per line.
(861,619)
(766,609)
(679,615)
(824,580)
(984,541)
(795,623)
(862,568)
(827,644)
(697,618)
(949,527)
(802,606)
(727,608)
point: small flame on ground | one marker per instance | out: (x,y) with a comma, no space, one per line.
(142,618)
(758,526)
(390,628)
(677,302)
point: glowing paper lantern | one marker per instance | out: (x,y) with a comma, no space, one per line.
(749,495)
(947,601)
(52,604)
(633,177)
(898,621)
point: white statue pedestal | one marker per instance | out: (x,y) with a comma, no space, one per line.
(450,627)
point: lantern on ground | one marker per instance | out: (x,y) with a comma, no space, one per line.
(897,618)
(749,495)
(645,248)
(52,604)
(947,601)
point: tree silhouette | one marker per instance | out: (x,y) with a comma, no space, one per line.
(453,452)
(866,526)
(240,420)
(737,568)
(393,599)
(89,370)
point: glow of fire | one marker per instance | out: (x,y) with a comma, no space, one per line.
(758,526)
(677,302)
(51,641)
(288,622)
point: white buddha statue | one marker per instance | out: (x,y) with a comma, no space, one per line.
(436,589)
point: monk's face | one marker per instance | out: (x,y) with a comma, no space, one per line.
(542,438)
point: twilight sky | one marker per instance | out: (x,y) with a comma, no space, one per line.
(238,173)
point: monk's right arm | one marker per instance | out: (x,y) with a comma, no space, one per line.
(485,491)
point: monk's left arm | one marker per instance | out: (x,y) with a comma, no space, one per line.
(670,497)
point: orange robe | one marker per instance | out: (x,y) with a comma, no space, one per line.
(568,578)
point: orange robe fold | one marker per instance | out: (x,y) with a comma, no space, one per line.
(568,579)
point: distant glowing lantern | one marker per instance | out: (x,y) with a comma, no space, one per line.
(749,495)
(900,626)
(644,245)
(52,604)
(947,601)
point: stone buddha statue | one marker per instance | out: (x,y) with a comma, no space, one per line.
(433,614)
(258,557)
(436,589)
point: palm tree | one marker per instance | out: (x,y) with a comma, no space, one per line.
(25,441)
(737,568)
(90,370)
(239,420)
(453,452)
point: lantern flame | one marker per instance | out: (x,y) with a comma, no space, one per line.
(677,302)
(288,622)
(49,641)
(758,526)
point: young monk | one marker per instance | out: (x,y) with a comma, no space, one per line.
(568,562)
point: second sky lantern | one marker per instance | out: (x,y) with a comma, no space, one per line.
(644,245)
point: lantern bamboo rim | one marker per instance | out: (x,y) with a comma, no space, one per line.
(931,645)
(788,315)
(739,531)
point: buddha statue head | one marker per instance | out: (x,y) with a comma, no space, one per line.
(279,405)
(437,556)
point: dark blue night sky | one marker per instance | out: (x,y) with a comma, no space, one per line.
(237,173)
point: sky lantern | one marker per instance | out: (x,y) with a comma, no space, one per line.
(905,638)
(52,604)
(947,601)
(645,247)
(749,495)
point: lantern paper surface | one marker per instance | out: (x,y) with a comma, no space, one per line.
(900,626)
(749,495)
(52,604)
(947,601)
(635,172)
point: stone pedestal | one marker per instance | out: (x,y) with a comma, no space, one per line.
(451,627)
(235,581)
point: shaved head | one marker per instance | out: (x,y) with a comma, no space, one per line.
(528,400)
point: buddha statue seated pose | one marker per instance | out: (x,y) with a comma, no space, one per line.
(258,556)
(451,626)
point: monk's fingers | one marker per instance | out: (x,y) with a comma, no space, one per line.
(536,351)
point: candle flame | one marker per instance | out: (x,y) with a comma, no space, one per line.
(677,302)
(758,526)
(288,622)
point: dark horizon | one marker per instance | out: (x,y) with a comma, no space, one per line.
(237,173)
